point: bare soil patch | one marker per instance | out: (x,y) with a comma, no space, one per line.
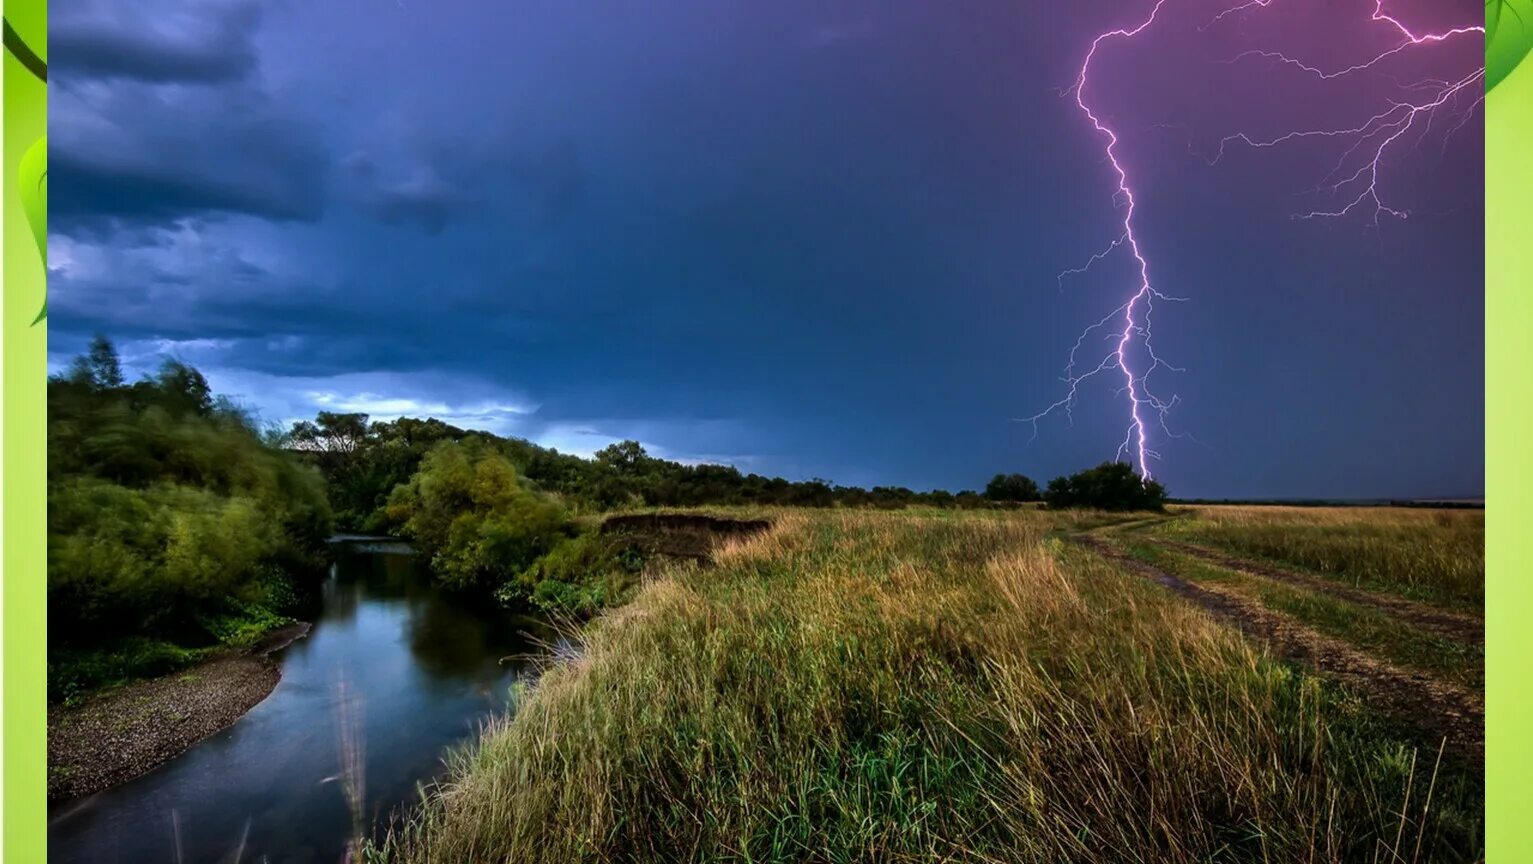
(1437,707)
(125,732)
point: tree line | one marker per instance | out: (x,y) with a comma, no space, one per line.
(363,460)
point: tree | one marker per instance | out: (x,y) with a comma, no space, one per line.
(469,509)
(333,440)
(180,388)
(99,367)
(1109,486)
(331,432)
(968,499)
(626,457)
(105,366)
(1011,487)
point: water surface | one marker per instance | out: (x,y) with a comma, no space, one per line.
(393,673)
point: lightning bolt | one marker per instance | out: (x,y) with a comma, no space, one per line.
(1355,179)
(1129,323)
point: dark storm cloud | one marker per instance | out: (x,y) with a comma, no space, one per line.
(427,202)
(91,192)
(134,154)
(157,116)
(423,198)
(541,187)
(153,290)
(153,42)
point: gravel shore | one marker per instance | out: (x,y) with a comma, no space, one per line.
(130,730)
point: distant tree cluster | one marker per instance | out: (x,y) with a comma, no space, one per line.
(364,460)
(1109,486)
(1012,488)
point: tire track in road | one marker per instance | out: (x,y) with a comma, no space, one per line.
(1464,629)
(1444,710)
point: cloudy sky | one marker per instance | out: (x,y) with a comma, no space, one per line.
(807,239)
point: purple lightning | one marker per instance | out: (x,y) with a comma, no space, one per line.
(1128,326)
(1133,322)
(1374,137)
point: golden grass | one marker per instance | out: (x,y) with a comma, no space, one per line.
(1436,556)
(1377,631)
(930,687)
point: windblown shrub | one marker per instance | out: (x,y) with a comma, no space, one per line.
(470,510)
(172,525)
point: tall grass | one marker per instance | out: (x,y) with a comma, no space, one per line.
(896,687)
(1436,556)
(1378,633)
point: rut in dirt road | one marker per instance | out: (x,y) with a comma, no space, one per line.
(1435,706)
(1464,629)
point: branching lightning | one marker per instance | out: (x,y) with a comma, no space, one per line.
(1355,182)
(1130,322)
(1371,141)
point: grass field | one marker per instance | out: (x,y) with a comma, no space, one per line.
(947,686)
(1435,556)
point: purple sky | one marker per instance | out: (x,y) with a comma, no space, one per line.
(807,240)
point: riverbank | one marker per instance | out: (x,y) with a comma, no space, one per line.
(127,731)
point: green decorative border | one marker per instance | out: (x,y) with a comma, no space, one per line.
(23,185)
(1509,417)
(1508,37)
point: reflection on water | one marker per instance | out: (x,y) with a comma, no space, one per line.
(393,673)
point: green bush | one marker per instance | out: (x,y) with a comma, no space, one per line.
(72,674)
(581,575)
(469,509)
(126,560)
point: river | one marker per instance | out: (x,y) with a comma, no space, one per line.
(393,673)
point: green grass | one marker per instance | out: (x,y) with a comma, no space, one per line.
(1376,632)
(1433,556)
(73,675)
(913,687)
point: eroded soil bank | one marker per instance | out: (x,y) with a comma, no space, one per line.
(680,535)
